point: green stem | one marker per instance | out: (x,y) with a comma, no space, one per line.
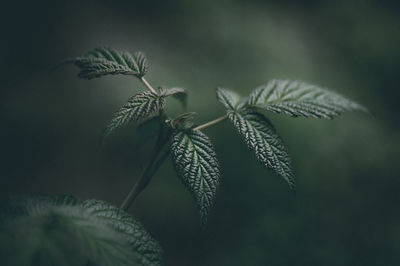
(213,122)
(156,160)
(148,85)
(144,180)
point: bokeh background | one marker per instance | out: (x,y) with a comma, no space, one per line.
(346,209)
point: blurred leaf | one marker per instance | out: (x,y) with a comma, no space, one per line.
(52,233)
(147,249)
(107,61)
(196,164)
(261,137)
(301,99)
(138,107)
(24,205)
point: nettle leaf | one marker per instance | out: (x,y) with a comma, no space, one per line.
(178,93)
(52,233)
(138,107)
(107,61)
(196,164)
(300,99)
(60,235)
(148,250)
(261,137)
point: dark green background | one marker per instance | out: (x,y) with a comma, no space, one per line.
(346,209)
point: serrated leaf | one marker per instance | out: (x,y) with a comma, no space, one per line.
(147,249)
(138,107)
(61,234)
(230,99)
(300,99)
(57,230)
(196,164)
(107,61)
(261,137)
(178,93)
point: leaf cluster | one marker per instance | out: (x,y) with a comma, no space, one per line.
(193,155)
(61,230)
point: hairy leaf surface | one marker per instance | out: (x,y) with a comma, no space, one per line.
(107,61)
(301,99)
(261,137)
(197,166)
(138,107)
(148,250)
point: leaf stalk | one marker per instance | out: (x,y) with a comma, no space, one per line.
(213,122)
(147,84)
(158,157)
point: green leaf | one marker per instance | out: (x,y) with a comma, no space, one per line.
(138,107)
(148,250)
(300,99)
(178,93)
(261,137)
(57,230)
(230,99)
(196,164)
(107,61)
(61,234)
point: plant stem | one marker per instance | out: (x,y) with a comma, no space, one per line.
(148,85)
(155,163)
(144,180)
(213,122)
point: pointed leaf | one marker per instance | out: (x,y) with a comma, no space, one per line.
(196,164)
(137,108)
(261,137)
(301,99)
(147,249)
(107,61)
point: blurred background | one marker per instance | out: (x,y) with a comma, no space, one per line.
(347,169)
